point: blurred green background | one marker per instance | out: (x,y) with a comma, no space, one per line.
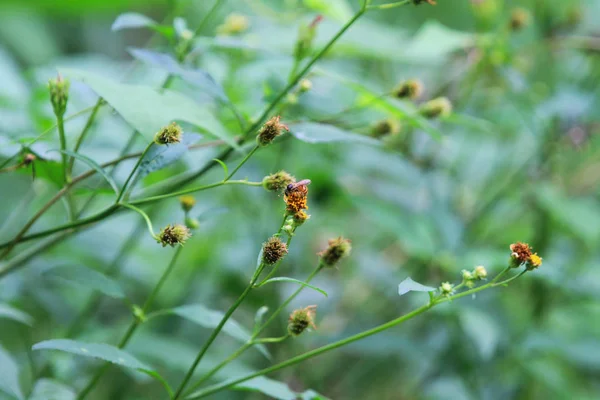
(518,160)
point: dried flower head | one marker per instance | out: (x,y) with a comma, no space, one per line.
(410,89)
(337,249)
(270,130)
(300,217)
(59,94)
(187,202)
(480,272)
(534,261)
(302,319)
(447,289)
(273,250)
(234,25)
(520,253)
(173,234)
(384,127)
(519,19)
(278,181)
(438,107)
(169,134)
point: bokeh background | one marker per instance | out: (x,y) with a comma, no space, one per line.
(518,160)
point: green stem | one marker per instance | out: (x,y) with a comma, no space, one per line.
(84,131)
(133,171)
(134,324)
(389,5)
(340,343)
(145,216)
(242,162)
(209,16)
(63,146)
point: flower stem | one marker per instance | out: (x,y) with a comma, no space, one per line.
(133,171)
(84,131)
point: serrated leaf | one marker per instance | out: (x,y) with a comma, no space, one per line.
(132,20)
(49,389)
(196,77)
(276,390)
(86,278)
(286,279)
(208,318)
(148,109)
(408,285)
(100,351)
(95,166)
(10,312)
(9,374)
(314,133)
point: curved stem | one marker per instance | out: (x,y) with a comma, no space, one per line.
(145,216)
(242,162)
(133,171)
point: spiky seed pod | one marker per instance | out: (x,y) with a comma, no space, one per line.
(438,107)
(302,319)
(411,89)
(187,202)
(270,130)
(278,181)
(172,235)
(169,134)
(59,94)
(337,249)
(273,250)
(385,127)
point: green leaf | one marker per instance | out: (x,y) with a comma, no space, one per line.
(95,166)
(196,77)
(482,329)
(49,389)
(408,285)
(8,311)
(208,318)
(9,375)
(132,20)
(276,390)
(101,351)
(225,169)
(259,316)
(434,42)
(286,279)
(87,278)
(149,109)
(338,10)
(314,133)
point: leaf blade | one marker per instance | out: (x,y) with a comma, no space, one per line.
(10,312)
(287,279)
(408,285)
(9,374)
(95,166)
(87,278)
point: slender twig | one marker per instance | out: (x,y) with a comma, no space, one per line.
(84,131)
(133,171)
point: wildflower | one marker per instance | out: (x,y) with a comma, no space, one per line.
(270,130)
(59,94)
(521,252)
(187,202)
(480,272)
(438,107)
(534,261)
(519,19)
(447,289)
(278,181)
(410,89)
(385,127)
(273,250)
(305,85)
(234,25)
(337,249)
(296,196)
(169,134)
(173,234)
(301,319)
(300,217)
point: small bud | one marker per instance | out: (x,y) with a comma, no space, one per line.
(521,252)
(273,250)
(291,98)
(278,181)
(411,89)
(439,107)
(28,159)
(306,36)
(192,223)
(385,127)
(302,319)
(300,217)
(288,228)
(234,25)
(173,234)
(534,262)
(169,134)
(467,275)
(270,130)
(59,94)
(447,288)
(305,85)
(519,19)
(480,272)
(338,249)
(187,202)
(138,313)
(186,34)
